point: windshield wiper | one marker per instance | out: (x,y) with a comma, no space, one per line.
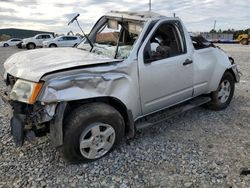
(89,41)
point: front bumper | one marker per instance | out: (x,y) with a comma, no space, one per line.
(37,120)
(17,124)
(24,45)
(19,45)
(19,121)
(27,120)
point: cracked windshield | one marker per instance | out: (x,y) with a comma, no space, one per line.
(114,39)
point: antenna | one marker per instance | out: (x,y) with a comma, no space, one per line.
(149,5)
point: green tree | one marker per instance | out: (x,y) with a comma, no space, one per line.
(4,37)
(213,31)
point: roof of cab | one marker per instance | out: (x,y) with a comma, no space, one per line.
(139,16)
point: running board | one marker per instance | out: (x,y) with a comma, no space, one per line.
(165,114)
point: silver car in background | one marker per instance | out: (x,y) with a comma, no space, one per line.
(62,41)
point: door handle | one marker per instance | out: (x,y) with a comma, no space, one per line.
(187,62)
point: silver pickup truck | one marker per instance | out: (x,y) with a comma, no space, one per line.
(133,69)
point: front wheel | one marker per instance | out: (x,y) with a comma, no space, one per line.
(53,46)
(222,97)
(5,45)
(31,46)
(244,41)
(91,131)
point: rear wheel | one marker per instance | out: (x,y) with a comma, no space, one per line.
(222,97)
(91,131)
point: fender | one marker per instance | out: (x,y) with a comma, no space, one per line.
(119,81)
(56,125)
(233,69)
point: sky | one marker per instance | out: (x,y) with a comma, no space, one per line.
(53,15)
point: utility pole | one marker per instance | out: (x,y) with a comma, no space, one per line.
(214,24)
(149,5)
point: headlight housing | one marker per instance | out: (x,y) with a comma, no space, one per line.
(5,75)
(25,91)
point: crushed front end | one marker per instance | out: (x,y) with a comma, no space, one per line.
(30,118)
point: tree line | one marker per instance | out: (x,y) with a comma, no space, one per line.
(235,33)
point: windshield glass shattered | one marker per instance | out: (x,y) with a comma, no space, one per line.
(114,39)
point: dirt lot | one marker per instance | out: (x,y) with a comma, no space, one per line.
(200,148)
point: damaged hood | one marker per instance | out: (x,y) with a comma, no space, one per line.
(32,65)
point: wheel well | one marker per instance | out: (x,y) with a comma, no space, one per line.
(52,44)
(116,103)
(232,72)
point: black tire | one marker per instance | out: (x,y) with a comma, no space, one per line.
(244,41)
(52,45)
(31,46)
(5,45)
(80,119)
(215,103)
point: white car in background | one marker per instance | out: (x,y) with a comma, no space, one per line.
(10,42)
(62,41)
(36,41)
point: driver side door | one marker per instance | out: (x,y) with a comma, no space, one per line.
(165,67)
(39,40)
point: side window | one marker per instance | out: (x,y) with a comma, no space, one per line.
(167,41)
(45,36)
(72,38)
(39,37)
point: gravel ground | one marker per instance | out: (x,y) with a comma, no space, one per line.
(199,148)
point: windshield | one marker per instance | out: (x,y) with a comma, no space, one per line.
(114,39)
